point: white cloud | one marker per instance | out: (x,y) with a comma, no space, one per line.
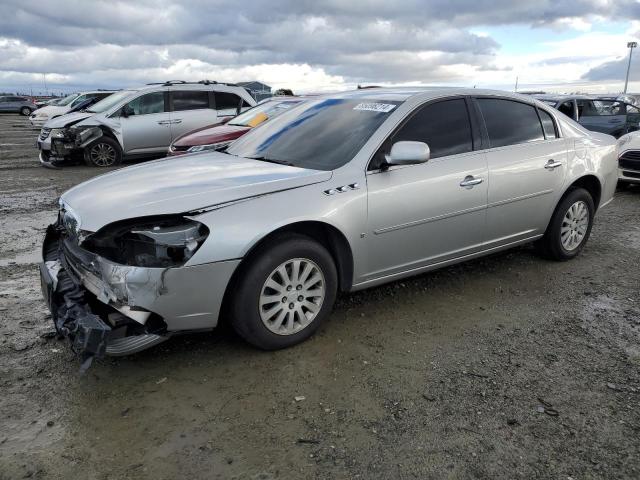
(307,46)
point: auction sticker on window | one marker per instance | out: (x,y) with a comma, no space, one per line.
(375,107)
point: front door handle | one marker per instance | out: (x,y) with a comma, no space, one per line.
(164,122)
(552,164)
(179,120)
(469,181)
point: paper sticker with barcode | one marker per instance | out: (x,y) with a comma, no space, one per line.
(375,107)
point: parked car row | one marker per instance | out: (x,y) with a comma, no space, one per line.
(140,122)
(219,136)
(339,192)
(66,105)
(607,114)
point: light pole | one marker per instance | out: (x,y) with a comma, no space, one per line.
(630,46)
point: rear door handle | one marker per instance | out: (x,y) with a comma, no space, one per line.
(469,181)
(164,122)
(552,165)
(178,120)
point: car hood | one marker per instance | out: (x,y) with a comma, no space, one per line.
(50,110)
(630,141)
(180,185)
(67,120)
(211,134)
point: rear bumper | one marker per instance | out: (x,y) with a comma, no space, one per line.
(110,309)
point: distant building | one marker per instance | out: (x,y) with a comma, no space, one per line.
(258,90)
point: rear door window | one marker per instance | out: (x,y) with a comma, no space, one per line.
(509,122)
(190,100)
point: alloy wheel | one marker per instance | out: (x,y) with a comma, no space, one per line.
(102,155)
(574,225)
(292,296)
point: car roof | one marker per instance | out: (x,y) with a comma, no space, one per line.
(423,93)
(98,91)
(282,98)
(561,96)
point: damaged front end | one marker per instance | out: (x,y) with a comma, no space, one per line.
(69,142)
(97,285)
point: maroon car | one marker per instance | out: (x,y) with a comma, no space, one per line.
(215,137)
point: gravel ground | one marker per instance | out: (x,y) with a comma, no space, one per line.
(506,367)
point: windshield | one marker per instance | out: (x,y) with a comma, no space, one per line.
(108,102)
(323,134)
(260,113)
(67,100)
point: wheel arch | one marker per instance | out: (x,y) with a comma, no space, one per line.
(591,184)
(327,235)
(324,233)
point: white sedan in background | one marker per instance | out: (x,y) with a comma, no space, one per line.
(39,117)
(629,158)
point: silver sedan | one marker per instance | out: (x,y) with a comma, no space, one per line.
(344,192)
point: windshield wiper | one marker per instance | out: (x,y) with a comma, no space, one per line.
(272,160)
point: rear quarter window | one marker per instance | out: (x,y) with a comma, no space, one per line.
(548,124)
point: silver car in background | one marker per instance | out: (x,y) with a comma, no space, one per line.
(16,104)
(140,122)
(341,193)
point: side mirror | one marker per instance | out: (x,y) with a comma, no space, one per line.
(408,153)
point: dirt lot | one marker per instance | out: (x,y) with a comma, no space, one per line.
(506,367)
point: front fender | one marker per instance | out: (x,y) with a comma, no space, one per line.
(237,228)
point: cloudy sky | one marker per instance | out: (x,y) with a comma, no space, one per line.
(314,45)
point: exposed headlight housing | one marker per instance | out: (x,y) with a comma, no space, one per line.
(57,133)
(211,146)
(153,242)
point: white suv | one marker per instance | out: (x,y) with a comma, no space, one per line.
(139,122)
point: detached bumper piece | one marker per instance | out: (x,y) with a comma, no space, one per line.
(74,310)
(67,302)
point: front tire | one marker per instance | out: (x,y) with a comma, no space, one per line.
(284,293)
(104,152)
(25,111)
(570,226)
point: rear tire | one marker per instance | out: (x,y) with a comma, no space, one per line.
(570,226)
(25,111)
(103,152)
(273,310)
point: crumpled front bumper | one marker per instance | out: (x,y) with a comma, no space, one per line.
(106,308)
(68,304)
